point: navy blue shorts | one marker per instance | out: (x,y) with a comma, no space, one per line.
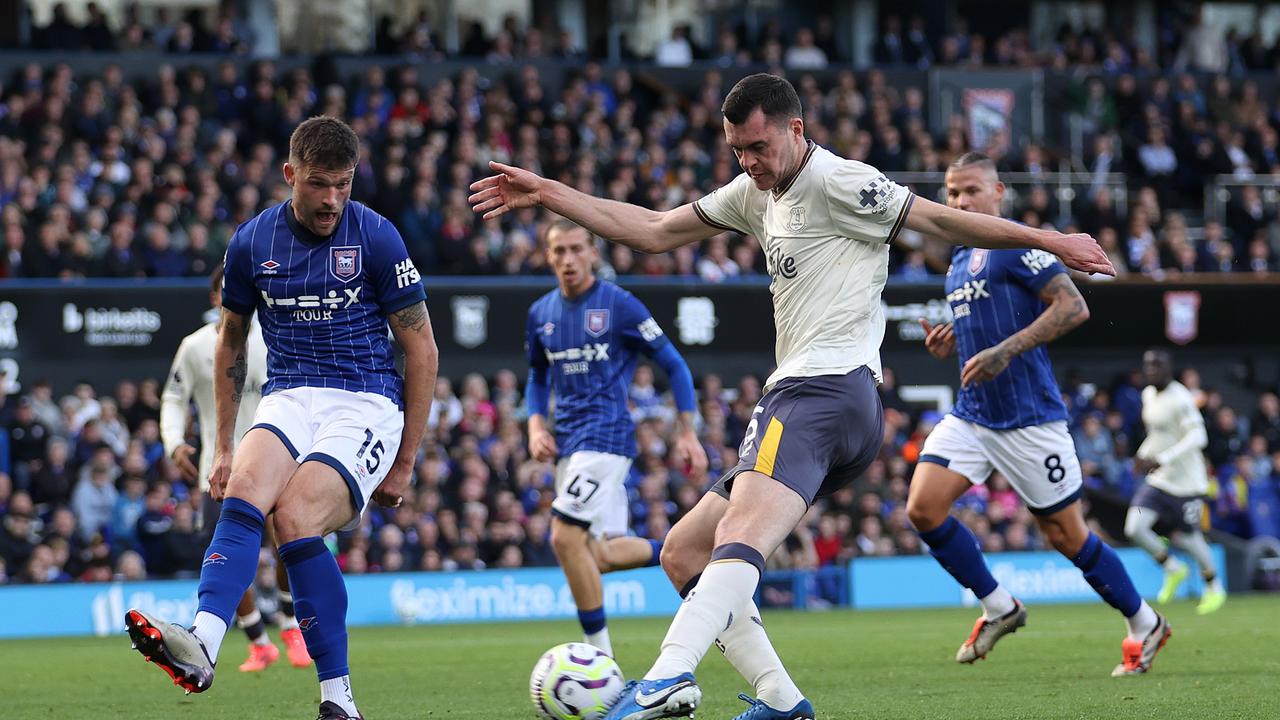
(1173,513)
(813,434)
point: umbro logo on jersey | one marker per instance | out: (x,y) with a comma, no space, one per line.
(270,266)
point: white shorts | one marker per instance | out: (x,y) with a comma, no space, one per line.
(591,492)
(1039,461)
(355,433)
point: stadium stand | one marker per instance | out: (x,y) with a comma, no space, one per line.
(104,175)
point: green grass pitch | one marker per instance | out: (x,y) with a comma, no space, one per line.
(851,664)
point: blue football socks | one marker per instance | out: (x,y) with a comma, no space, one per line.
(320,601)
(1104,571)
(956,549)
(231,560)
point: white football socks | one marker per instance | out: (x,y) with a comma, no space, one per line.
(601,640)
(997,604)
(338,690)
(710,608)
(210,629)
(747,648)
(1142,622)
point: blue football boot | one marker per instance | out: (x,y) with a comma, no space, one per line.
(759,711)
(668,698)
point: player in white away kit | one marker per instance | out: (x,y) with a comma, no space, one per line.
(191,378)
(825,224)
(338,425)
(1172,498)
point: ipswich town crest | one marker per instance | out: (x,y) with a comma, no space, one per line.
(597,322)
(344,263)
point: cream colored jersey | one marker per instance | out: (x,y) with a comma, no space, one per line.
(825,234)
(191,377)
(1175,438)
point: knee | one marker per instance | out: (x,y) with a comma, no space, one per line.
(925,515)
(565,538)
(1064,540)
(680,560)
(289,524)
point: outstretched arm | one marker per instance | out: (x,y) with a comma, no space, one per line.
(1078,251)
(638,228)
(1066,311)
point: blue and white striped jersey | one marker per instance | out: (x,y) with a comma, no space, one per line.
(994,294)
(323,302)
(590,346)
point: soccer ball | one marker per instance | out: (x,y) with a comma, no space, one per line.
(574,681)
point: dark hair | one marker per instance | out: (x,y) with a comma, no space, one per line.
(971,158)
(215,279)
(324,142)
(775,97)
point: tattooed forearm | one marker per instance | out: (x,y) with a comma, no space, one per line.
(1067,310)
(237,372)
(233,323)
(413,317)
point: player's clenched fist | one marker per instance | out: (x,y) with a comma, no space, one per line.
(391,490)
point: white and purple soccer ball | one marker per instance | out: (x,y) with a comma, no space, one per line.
(575,681)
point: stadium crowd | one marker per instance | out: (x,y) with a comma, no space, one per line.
(115,176)
(87,494)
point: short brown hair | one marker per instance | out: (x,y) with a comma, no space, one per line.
(324,142)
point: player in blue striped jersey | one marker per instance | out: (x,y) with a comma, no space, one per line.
(337,425)
(584,340)
(1009,417)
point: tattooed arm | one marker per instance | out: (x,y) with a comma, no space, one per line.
(1067,310)
(412,328)
(230,367)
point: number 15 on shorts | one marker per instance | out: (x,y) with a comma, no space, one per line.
(375,453)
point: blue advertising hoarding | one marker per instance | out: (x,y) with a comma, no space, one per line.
(1044,577)
(399,598)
